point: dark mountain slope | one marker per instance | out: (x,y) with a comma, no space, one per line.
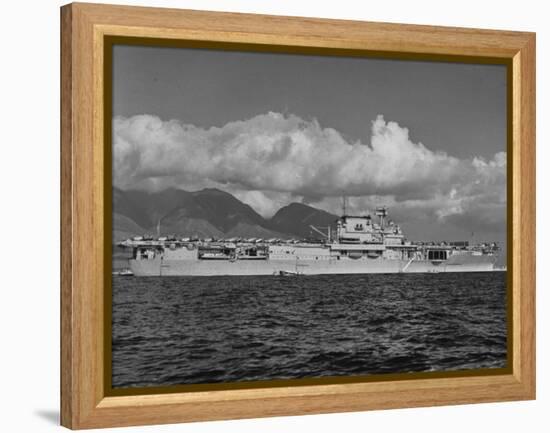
(296,218)
(208,213)
(224,211)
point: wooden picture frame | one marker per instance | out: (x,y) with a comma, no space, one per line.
(85,401)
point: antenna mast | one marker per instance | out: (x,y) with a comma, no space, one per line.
(344,204)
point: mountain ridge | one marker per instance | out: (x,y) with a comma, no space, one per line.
(210,212)
(297,218)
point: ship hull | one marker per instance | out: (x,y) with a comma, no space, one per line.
(160,267)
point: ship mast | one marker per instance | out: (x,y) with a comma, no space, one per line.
(382,212)
(344,204)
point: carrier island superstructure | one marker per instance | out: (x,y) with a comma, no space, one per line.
(360,245)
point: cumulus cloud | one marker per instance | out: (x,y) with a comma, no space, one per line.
(272,159)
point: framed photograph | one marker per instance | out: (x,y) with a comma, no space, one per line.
(266,216)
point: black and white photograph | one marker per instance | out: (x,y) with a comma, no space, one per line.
(282,216)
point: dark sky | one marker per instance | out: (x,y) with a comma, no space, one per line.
(456,108)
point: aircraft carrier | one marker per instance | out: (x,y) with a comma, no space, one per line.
(359,245)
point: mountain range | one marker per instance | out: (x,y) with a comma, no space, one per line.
(208,213)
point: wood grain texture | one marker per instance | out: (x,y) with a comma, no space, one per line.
(524,173)
(83,400)
(67,394)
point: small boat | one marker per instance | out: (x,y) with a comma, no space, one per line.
(288,273)
(124,273)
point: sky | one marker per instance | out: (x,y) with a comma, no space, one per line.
(426,139)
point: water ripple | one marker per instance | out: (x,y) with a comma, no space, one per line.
(185,330)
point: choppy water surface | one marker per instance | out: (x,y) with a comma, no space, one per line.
(190,330)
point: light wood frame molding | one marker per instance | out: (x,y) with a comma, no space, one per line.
(84,400)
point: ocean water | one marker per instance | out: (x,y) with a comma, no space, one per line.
(192,330)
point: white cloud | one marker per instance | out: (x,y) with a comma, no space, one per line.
(272,159)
